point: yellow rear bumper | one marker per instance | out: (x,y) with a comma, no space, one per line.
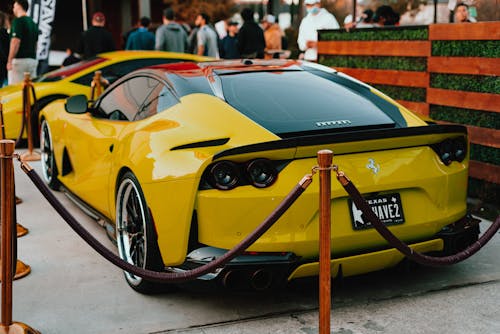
(364,263)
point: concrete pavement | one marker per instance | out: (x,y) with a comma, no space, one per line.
(73,290)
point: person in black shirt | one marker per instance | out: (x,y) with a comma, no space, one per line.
(229,44)
(251,42)
(96,39)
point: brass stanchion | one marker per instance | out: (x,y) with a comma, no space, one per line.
(98,82)
(325,158)
(21,230)
(7,198)
(27,87)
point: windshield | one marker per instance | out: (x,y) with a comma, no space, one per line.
(290,103)
(69,70)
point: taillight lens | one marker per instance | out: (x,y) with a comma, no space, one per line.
(261,172)
(224,175)
(451,150)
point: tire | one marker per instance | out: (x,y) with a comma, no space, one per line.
(35,112)
(135,235)
(49,167)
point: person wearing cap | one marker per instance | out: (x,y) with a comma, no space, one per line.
(23,40)
(141,38)
(317,18)
(96,39)
(229,44)
(272,36)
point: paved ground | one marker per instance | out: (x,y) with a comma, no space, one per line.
(73,290)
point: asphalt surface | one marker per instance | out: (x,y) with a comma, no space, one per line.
(71,289)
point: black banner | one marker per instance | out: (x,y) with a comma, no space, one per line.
(43,13)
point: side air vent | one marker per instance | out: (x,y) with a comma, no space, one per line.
(208,143)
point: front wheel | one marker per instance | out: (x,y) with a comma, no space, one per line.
(135,234)
(49,167)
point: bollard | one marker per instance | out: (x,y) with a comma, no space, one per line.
(7,198)
(21,230)
(27,86)
(325,158)
(97,85)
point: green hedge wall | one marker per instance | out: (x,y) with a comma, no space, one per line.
(480,118)
(377,34)
(489,49)
(486,154)
(469,83)
(380,63)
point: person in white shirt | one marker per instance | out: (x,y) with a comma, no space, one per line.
(317,18)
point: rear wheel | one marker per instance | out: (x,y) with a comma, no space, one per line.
(135,234)
(49,167)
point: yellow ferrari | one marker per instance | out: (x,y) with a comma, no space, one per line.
(182,161)
(76,79)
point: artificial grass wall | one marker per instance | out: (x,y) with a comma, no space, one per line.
(469,83)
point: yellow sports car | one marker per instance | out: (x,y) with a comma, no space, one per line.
(182,161)
(77,79)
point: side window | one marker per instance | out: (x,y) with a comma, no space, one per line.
(160,99)
(124,102)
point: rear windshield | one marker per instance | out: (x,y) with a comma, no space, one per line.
(290,103)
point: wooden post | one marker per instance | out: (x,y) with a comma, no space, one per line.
(27,86)
(7,205)
(325,158)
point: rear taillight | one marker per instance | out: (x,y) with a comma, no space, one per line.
(450,150)
(226,175)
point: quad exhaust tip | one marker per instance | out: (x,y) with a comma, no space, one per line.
(258,280)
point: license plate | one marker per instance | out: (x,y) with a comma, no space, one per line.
(388,209)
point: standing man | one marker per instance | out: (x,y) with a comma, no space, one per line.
(317,18)
(96,39)
(229,44)
(141,38)
(4,48)
(251,42)
(23,38)
(207,40)
(273,36)
(171,36)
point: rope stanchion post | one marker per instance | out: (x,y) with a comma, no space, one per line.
(325,158)
(21,230)
(7,198)
(30,155)
(98,83)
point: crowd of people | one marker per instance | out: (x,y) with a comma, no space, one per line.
(226,39)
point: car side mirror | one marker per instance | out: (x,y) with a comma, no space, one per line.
(76,104)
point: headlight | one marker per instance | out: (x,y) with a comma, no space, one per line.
(224,175)
(261,173)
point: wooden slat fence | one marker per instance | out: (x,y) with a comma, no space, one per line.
(457,83)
